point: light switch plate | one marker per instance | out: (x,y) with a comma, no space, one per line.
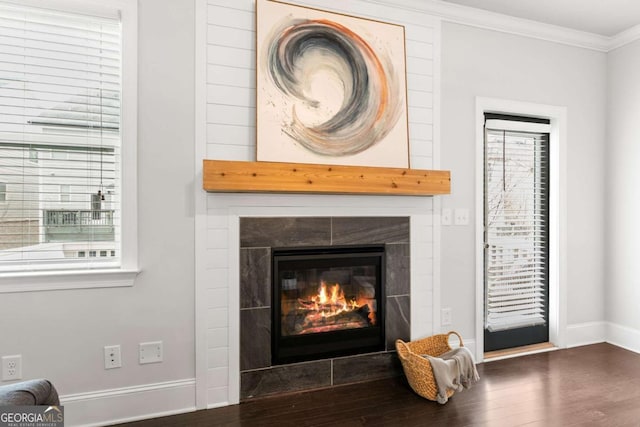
(445,217)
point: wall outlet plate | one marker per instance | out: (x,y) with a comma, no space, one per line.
(151,352)
(12,367)
(445,317)
(112,357)
(461,216)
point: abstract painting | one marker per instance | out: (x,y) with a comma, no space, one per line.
(331,88)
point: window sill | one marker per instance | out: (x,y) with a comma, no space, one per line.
(59,280)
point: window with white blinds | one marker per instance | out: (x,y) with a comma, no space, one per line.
(516,224)
(60,140)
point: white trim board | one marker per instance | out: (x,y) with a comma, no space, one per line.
(586,333)
(470,344)
(625,37)
(65,279)
(437,201)
(200,203)
(623,336)
(466,15)
(127,404)
(596,332)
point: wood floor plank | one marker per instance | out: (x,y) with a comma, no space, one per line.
(595,385)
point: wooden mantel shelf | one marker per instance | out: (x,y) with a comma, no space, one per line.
(270,177)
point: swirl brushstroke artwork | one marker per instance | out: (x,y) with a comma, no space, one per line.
(331,88)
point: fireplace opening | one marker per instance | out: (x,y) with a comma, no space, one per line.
(327,302)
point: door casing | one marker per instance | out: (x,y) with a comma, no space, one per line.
(557,213)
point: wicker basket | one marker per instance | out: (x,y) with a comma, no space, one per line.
(417,368)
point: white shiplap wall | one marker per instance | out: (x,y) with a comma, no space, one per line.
(229,111)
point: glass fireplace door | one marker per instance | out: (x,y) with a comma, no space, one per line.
(327,302)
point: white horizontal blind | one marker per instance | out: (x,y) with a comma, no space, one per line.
(516,224)
(59,140)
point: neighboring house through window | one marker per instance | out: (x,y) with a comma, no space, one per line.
(61,137)
(64,192)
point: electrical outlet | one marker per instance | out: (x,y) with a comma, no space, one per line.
(12,367)
(112,357)
(445,316)
(150,352)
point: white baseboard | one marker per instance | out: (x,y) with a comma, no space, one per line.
(218,405)
(586,333)
(589,333)
(127,404)
(469,343)
(623,336)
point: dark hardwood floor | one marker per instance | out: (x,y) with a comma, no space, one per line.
(596,385)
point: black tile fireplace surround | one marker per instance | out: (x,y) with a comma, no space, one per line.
(260,376)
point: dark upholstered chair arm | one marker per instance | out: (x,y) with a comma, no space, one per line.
(32,392)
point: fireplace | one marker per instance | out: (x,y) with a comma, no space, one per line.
(335,238)
(327,302)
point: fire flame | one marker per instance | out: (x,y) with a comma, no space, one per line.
(329,309)
(331,304)
(331,301)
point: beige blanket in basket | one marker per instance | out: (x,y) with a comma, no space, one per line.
(454,370)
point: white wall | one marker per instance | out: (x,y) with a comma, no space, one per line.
(623,197)
(478,62)
(60,334)
(230,135)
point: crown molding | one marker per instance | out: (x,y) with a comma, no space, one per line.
(522,27)
(625,37)
(479,18)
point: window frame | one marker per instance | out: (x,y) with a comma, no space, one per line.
(125,274)
(506,129)
(557,212)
